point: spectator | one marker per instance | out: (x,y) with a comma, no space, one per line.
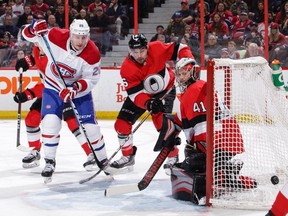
(160,30)
(238,3)
(60,15)
(83,15)
(284,25)
(187,15)
(176,26)
(94,5)
(6,41)
(218,27)
(258,15)
(19,54)
(161,37)
(9,27)
(225,14)
(232,50)
(261,26)
(281,14)
(224,53)
(100,33)
(195,26)
(39,9)
(18,8)
(21,42)
(118,15)
(8,11)
(76,6)
(277,44)
(252,32)
(240,27)
(254,50)
(51,22)
(212,49)
(22,19)
(9,46)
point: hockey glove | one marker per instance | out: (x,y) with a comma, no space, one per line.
(39,27)
(25,63)
(23,96)
(155,105)
(68,94)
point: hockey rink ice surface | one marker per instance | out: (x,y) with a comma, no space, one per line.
(23,192)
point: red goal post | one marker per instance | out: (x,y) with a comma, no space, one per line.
(253,144)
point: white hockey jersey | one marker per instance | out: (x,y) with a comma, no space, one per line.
(73,65)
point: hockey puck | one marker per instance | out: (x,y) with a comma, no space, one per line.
(274,180)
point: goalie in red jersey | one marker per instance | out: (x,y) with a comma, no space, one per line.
(33,118)
(192,119)
(146,79)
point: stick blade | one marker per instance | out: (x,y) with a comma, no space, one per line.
(112,191)
(24,148)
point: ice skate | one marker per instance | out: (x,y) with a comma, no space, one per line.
(48,170)
(90,164)
(125,162)
(169,164)
(32,159)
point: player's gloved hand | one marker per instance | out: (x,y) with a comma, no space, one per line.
(23,96)
(69,93)
(155,105)
(25,63)
(39,27)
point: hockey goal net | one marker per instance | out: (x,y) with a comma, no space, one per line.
(243,179)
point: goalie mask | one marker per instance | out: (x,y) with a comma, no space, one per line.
(187,72)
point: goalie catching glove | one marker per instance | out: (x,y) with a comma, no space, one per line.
(70,93)
(154,105)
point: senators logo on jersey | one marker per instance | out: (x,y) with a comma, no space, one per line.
(65,70)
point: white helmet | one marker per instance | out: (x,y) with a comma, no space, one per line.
(189,65)
(79,27)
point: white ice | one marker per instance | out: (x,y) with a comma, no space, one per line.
(23,192)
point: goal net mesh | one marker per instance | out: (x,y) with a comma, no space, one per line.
(257,148)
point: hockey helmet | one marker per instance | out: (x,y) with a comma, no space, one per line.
(190,71)
(79,27)
(138,41)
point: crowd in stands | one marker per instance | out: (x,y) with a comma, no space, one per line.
(109,20)
(233,28)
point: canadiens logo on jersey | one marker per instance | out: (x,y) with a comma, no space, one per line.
(65,70)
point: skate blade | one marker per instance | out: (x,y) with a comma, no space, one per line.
(90,168)
(122,170)
(47,180)
(31,165)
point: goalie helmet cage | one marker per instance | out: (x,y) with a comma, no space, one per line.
(245,86)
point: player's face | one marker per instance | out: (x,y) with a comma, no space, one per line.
(79,41)
(184,74)
(139,55)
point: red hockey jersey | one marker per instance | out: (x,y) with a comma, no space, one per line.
(142,82)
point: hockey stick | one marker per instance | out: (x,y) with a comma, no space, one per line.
(120,146)
(148,177)
(99,164)
(113,155)
(18,144)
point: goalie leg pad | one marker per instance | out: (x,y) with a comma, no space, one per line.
(188,186)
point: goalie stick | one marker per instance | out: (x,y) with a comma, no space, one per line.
(148,177)
(18,143)
(119,148)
